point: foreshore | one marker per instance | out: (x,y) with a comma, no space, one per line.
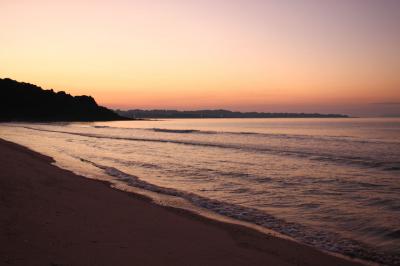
(50,216)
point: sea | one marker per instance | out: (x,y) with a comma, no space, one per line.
(332,183)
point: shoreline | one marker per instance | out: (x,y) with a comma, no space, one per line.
(51,216)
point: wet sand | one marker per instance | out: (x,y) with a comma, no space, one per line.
(50,216)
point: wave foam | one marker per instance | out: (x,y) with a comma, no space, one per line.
(328,241)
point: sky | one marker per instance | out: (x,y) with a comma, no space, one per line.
(339,56)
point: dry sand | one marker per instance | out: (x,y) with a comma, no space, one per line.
(50,216)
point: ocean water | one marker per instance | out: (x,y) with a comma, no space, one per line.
(330,183)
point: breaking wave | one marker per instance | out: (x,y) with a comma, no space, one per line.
(320,239)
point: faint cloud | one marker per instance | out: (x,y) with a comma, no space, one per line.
(387,103)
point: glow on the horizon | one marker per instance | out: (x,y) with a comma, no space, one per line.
(193,54)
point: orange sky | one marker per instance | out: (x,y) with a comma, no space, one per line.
(237,54)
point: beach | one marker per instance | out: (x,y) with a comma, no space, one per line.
(50,216)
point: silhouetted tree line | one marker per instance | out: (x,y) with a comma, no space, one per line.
(139,114)
(21,101)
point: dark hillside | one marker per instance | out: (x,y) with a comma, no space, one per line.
(21,101)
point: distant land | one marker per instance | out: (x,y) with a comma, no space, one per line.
(21,101)
(144,114)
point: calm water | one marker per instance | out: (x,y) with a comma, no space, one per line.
(331,183)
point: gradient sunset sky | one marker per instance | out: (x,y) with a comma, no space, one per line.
(296,56)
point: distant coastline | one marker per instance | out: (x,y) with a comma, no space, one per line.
(220,113)
(22,101)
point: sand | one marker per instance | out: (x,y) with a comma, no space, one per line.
(50,216)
